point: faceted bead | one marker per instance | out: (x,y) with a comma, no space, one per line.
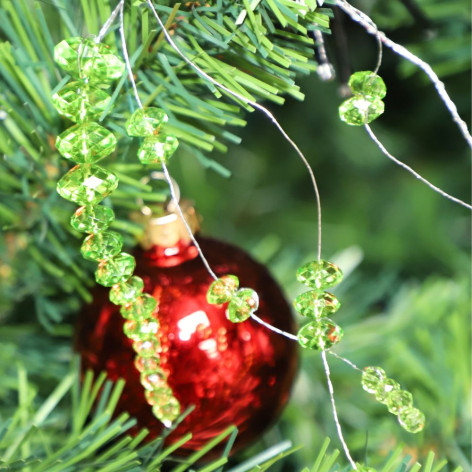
(92,219)
(367,82)
(221,290)
(139,309)
(242,305)
(154,379)
(146,121)
(131,330)
(319,274)
(159,395)
(86,143)
(81,102)
(115,270)
(361,109)
(385,388)
(147,348)
(411,419)
(371,378)
(146,364)
(86,184)
(157,149)
(315,304)
(320,335)
(99,246)
(126,292)
(167,412)
(88,60)
(397,400)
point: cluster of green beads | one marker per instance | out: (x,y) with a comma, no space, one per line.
(399,402)
(94,67)
(320,333)
(366,105)
(243,302)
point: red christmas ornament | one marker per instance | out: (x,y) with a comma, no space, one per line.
(234,374)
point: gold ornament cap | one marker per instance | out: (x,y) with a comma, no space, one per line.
(163,225)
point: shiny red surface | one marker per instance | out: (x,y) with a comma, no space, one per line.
(233,373)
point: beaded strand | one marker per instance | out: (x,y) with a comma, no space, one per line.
(94,67)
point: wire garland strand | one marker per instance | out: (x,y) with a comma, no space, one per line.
(361,18)
(412,171)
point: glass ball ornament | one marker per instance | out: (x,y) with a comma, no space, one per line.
(232,373)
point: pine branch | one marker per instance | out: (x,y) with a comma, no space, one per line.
(256,49)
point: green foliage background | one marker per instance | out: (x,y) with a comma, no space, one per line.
(406,251)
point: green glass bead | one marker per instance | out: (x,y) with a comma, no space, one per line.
(147,347)
(90,61)
(131,330)
(154,379)
(86,143)
(385,388)
(92,219)
(81,102)
(320,335)
(371,378)
(115,270)
(140,309)
(126,292)
(157,149)
(411,419)
(242,305)
(99,246)
(86,184)
(168,412)
(159,395)
(315,304)
(319,274)
(146,121)
(140,330)
(367,82)
(146,364)
(360,110)
(222,289)
(397,400)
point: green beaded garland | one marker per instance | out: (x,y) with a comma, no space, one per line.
(131,330)
(385,388)
(115,270)
(100,246)
(86,143)
(367,83)
(157,149)
(411,419)
(397,400)
(126,292)
(81,102)
(153,379)
(319,274)
(167,412)
(86,184)
(146,364)
(222,289)
(361,109)
(146,121)
(140,309)
(371,378)
(320,335)
(90,61)
(147,347)
(314,304)
(92,218)
(160,394)
(242,305)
